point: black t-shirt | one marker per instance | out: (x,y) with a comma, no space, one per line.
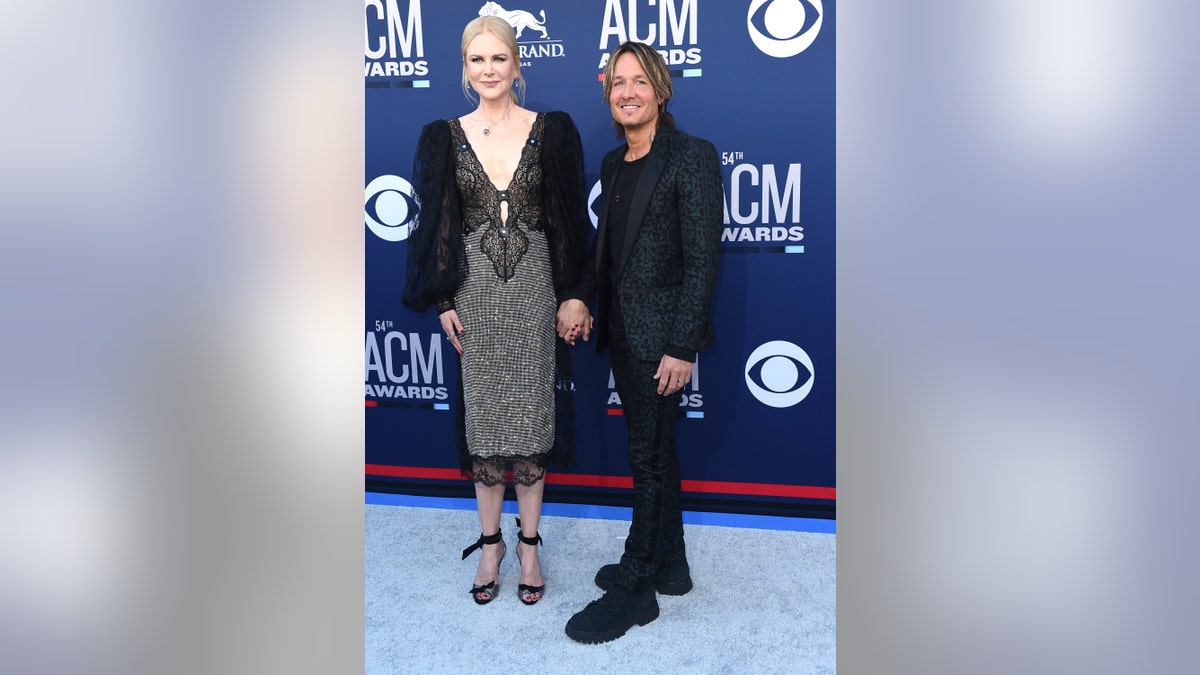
(618,222)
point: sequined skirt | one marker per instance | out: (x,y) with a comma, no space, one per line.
(508,352)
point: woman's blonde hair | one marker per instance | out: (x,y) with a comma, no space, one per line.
(502,30)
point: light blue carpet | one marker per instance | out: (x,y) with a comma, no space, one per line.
(763,602)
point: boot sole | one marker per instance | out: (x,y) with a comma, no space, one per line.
(597,637)
(662,587)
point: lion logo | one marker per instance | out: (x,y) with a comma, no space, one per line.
(518,19)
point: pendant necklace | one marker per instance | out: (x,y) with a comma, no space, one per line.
(488,129)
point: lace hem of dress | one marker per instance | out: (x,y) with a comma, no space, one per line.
(526,470)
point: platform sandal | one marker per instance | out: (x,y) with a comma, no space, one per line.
(484,594)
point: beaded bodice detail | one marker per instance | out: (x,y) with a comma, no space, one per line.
(504,242)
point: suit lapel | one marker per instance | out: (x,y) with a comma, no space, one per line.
(608,177)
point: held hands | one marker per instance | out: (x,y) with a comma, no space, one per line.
(574,321)
(672,374)
(452,327)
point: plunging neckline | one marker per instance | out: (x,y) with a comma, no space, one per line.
(525,148)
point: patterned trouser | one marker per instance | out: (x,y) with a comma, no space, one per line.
(656,532)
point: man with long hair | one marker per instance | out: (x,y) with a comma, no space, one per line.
(653,266)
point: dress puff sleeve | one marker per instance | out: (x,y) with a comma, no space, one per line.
(435,236)
(564,203)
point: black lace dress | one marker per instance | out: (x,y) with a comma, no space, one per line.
(504,276)
(507,307)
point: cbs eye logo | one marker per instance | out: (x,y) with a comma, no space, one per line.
(390,207)
(774,376)
(783,28)
(591,203)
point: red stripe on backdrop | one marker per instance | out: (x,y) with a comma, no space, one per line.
(589,480)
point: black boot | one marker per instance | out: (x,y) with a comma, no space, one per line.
(614,613)
(675,580)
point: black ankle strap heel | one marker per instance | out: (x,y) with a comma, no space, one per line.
(487,592)
(525,591)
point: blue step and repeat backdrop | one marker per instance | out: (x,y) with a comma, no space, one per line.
(755,77)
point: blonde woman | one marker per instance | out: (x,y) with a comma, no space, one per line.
(499,236)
